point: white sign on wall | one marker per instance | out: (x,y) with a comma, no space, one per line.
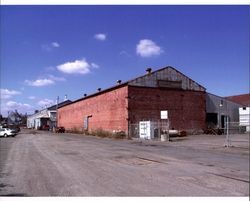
(164,114)
(144,129)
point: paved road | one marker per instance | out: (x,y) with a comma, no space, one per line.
(46,164)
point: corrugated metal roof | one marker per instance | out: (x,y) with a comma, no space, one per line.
(167,74)
(60,105)
(243,99)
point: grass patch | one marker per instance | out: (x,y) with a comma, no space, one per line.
(119,135)
(100,133)
(107,134)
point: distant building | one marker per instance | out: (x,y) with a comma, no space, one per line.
(243,99)
(218,109)
(244,113)
(45,118)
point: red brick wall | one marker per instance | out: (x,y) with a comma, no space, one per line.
(108,110)
(186,109)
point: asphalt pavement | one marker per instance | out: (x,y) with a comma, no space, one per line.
(47,164)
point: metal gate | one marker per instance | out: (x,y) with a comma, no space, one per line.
(155,127)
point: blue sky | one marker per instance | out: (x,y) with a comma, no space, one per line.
(50,51)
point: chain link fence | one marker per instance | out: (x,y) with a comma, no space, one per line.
(154,128)
(232,131)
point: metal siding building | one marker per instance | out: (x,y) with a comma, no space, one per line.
(244,111)
(218,108)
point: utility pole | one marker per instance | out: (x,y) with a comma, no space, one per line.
(57,102)
(219,116)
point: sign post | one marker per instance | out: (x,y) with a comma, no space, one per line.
(164,117)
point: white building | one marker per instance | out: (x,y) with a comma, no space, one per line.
(244,113)
(45,118)
(41,118)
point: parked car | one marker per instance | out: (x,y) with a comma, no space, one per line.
(6,132)
(14,127)
(60,130)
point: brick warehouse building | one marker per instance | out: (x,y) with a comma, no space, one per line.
(118,107)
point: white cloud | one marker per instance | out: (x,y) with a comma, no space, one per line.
(54,78)
(39,82)
(45,102)
(100,36)
(32,97)
(46,47)
(50,47)
(148,48)
(16,105)
(77,67)
(6,94)
(20,107)
(51,79)
(55,44)
(124,53)
(49,68)
(94,65)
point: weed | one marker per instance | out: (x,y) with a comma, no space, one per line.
(75,130)
(101,133)
(119,135)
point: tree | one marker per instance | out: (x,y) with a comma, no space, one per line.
(14,118)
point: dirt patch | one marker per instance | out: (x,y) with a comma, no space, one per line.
(33,132)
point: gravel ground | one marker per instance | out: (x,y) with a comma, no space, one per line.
(46,164)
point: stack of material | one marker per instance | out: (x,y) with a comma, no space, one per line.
(213,131)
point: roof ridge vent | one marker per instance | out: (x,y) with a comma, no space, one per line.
(149,70)
(118,82)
